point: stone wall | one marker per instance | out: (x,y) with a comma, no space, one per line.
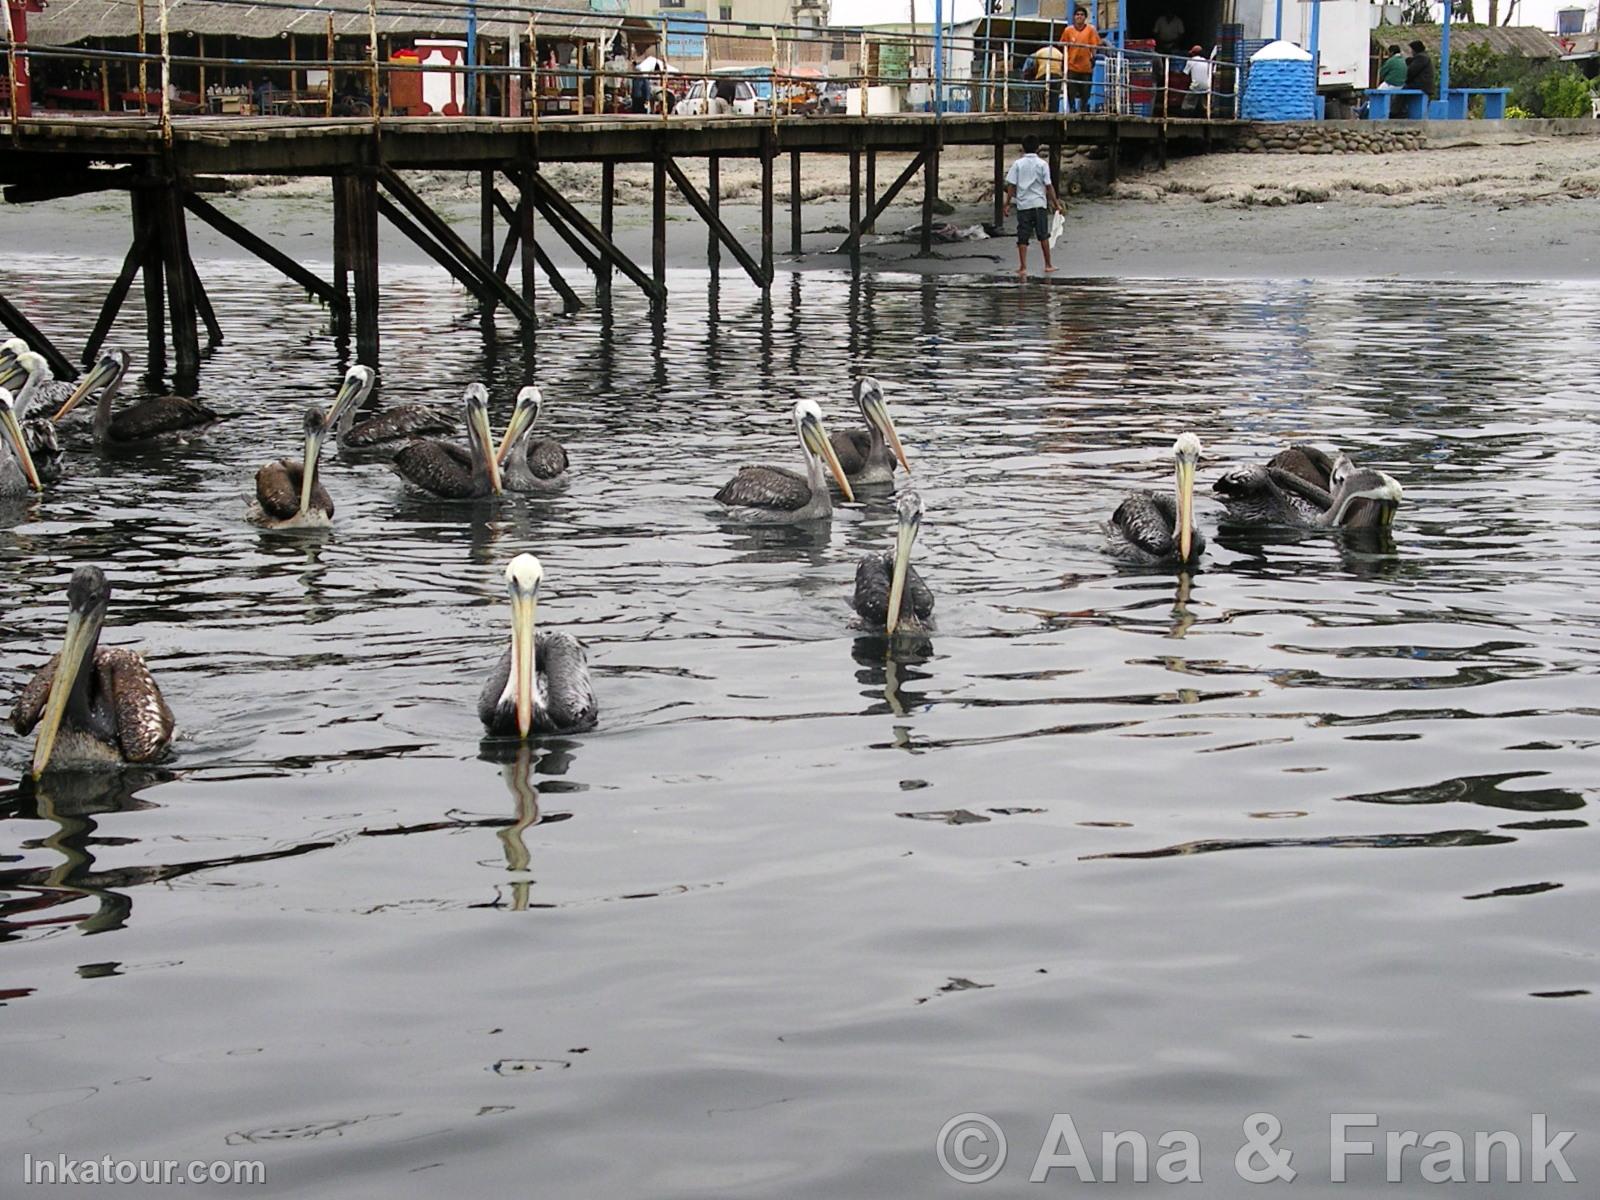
(1331,137)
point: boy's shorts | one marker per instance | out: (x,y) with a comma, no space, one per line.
(1035,221)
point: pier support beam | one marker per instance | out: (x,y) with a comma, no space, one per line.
(930,188)
(559,212)
(608,207)
(341,264)
(872,187)
(361,252)
(515,218)
(114,299)
(714,222)
(180,285)
(794,202)
(1000,182)
(854,239)
(330,294)
(147,233)
(525,232)
(878,209)
(714,203)
(658,221)
(768,153)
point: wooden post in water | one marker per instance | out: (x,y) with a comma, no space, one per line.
(361,253)
(714,200)
(658,219)
(855,205)
(525,231)
(180,284)
(608,197)
(768,151)
(341,258)
(1000,182)
(930,188)
(872,188)
(147,233)
(486,216)
(794,202)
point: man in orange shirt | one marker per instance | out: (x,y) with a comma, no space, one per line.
(1080,39)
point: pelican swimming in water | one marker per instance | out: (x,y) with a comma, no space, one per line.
(1306,487)
(95,707)
(890,595)
(541,683)
(868,455)
(39,432)
(385,431)
(288,493)
(18,476)
(774,495)
(453,472)
(1159,530)
(531,464)
(142,421)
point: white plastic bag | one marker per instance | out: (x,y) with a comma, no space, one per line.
(1058,226)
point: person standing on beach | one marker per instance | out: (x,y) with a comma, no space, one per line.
(1080,38)
(1030,188)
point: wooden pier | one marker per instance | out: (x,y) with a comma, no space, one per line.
(158,162)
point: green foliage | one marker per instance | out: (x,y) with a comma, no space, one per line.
(1538,88)
(1564,93)
(1477,66)
(1513,113)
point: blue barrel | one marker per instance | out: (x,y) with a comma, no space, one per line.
(1280,89)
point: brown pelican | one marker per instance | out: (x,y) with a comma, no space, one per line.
(388,430)
(95,707)
(541,683)
(1303,486)
(1159,530)
(890,595)
(866,454)
(17,474)
(772,495)
(288,493)
(454,472)
(536,465)
(142,421)
(38,432)
(52,391)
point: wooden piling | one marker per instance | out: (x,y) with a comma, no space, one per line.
(1000,182)
(608,204)
(872,187)
(930,189)
(361,253)
(658,221)
(768,152)
(180,284)
(525,231)
(794,202)
(340,306)
(486,216)
(147,234)
(714,202)
(114,300)
(855,206)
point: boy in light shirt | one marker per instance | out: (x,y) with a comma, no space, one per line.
(1031,190)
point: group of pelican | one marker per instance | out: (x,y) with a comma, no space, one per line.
(94,706)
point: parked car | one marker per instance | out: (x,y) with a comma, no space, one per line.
(695,102)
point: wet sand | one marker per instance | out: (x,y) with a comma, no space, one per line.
(1512,210)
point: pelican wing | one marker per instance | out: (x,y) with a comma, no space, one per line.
(853,446)
(157,416)
(547,459)
(399,424)
(25,713)
(565,701)
(39,434)
(1304,463)
(440,468)
(772,488)
(278,489)
(500,720)
(1144,529)
(874,574)
(144,722)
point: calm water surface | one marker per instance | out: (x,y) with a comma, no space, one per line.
(1309,832)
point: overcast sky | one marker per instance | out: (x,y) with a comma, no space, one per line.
(881,12)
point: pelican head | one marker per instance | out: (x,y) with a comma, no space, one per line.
(1366,499)
(107,373)
(26,362)
(908,521)
(316,426)
(354,389)
(523,576)
(9,349)
(19,445)
(814,441)
(1186,453)
(530,406)
(87,597)
(875,411)
(476,399)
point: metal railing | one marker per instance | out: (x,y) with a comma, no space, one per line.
(406,57)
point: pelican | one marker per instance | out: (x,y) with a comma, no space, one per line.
(142,421)
(388,430)
(541,683)
(52,391)
(288,493)
(773,495)
(95,707)
(531,466)
(454,472)
(39,432)
(866,454)
(890,595)
(18,477)
(1159,530)
(1303,486)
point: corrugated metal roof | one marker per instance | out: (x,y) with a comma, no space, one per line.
(65,22)
(1526,40)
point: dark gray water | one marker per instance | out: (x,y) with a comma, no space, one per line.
(1308,833)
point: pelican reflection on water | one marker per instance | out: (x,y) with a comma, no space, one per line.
(777,495)
(94,706)
(541,683)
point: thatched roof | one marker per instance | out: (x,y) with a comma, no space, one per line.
(1526,40)
(66,22)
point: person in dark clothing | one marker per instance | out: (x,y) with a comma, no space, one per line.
(1419,69)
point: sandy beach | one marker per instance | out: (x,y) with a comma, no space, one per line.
(1476,207)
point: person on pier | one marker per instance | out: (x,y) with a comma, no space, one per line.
(1030,188)
(1080,38)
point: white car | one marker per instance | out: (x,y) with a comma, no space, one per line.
(702,100)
